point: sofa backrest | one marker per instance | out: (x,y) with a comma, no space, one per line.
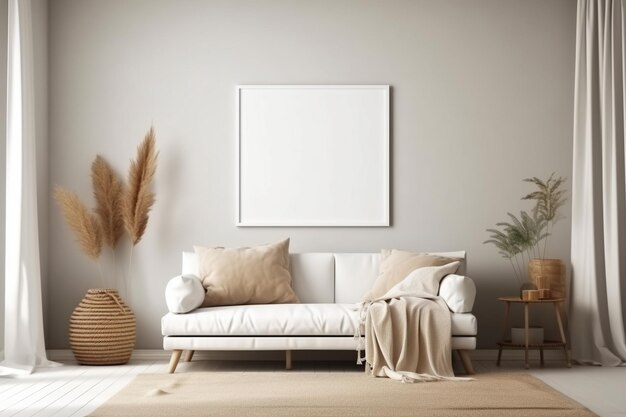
(313,276)
(329,277)
(355,273)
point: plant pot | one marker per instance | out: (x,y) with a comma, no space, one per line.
(553,270)
(102,329)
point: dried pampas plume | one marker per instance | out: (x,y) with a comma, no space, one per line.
(118,207)
(107,190)
(84,224)
(137,197)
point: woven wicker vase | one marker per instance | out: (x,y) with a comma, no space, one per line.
(102,329)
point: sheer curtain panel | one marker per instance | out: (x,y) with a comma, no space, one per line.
(23,333)
(598,289)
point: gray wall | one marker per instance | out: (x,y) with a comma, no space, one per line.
(482,96)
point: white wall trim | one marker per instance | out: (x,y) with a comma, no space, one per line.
(550,356)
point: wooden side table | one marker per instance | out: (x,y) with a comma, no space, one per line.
(548,344)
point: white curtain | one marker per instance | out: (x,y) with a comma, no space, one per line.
(598,289)
(23,333)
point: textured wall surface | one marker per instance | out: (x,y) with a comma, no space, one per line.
(482,95)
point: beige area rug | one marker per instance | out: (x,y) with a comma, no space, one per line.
(330,394)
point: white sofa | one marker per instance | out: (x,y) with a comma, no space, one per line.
(328,285)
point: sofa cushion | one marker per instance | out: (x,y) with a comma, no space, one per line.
(312,274)
(354,275)
(184,293)
(313,277)
(396,265)
(459,292)
(421,282)
(265,320)
(248,275)
(281,320)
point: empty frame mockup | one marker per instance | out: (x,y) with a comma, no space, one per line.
(313,155)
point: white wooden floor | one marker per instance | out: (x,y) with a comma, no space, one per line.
(73,390)
(68,390)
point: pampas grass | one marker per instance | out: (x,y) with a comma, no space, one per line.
(119,208)
(138,198)
(107,191)
(81,221)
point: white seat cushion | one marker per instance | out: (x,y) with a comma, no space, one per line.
(281,320)
(264,320)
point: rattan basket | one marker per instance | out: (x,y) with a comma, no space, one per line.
(102,329)
(553,270)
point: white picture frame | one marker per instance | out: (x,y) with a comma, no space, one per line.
(313,155)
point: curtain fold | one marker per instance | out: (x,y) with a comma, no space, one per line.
(598,252)
(23,333)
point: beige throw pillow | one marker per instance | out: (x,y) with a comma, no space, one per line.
(254,275)
(395,265)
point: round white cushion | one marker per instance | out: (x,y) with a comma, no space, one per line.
(184,293)
(458,292)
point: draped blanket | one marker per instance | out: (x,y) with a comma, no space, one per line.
(408,332)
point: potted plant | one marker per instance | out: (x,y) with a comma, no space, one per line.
(102,327)
(524,240)
(549,197)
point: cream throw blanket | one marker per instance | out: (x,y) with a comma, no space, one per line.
(408,330)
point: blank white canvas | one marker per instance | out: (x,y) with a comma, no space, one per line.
(313,155)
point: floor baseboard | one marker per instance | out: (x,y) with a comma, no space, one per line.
(158,354)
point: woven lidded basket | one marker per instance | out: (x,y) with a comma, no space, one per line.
(102,329)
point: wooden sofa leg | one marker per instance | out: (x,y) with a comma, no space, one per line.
(174,360)
(466,360)
(288,359)
(189,355)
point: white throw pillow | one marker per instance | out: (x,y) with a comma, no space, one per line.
(184,293)
(458,292)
